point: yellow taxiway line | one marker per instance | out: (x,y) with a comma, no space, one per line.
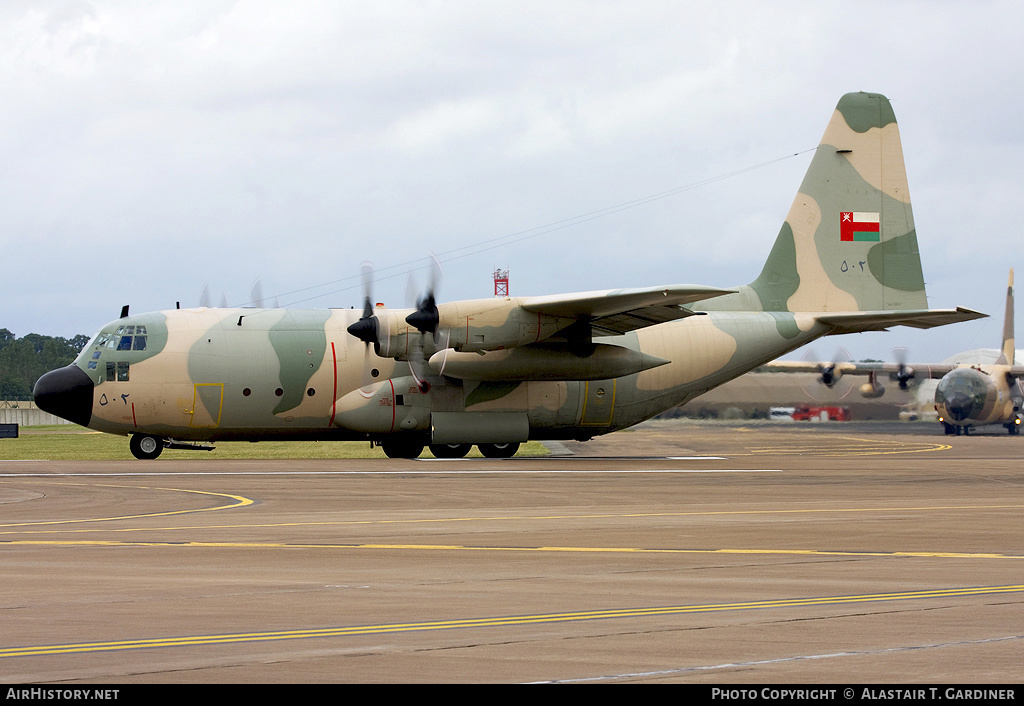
(495,548)
(500,621)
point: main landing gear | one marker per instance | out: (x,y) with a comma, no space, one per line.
(506,450)
(450,450)
(412,448)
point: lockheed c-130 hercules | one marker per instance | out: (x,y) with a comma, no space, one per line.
(498,372)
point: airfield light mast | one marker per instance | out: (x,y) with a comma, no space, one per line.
(500,282)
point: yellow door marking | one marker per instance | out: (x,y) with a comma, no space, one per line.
(208,396)
(599,407)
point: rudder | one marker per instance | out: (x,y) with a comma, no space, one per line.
(1008,351)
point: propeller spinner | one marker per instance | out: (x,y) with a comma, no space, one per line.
(904,373)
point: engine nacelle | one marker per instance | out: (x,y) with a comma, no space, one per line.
(469,326)
(871,390)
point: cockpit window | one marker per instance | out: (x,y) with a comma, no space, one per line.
(124,338)
(127,338)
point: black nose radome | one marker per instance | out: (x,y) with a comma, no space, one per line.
(67,393)
(960,406)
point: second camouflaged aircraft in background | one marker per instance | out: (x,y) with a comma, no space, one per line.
(968,395)
(498,372)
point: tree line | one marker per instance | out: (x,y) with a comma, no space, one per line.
(23,360)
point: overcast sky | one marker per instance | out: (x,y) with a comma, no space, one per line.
(151,149)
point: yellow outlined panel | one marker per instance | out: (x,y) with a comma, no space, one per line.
(598,404)
(207,404)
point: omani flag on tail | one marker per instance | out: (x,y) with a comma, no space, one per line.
(858,226)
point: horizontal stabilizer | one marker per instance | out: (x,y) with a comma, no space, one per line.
(860,321)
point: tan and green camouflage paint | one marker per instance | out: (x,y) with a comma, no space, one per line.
(858,167)
(274,373)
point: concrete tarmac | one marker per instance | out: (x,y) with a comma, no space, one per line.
(676,552)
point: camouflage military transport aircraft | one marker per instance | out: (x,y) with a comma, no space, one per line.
(498,372)
(968,394)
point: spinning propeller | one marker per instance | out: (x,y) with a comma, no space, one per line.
(367,328)
(425,319)
(829,374)
(904,373)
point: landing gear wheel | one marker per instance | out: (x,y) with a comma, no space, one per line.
(450,450)
(403,448)
(145,447)
(506,450)
(948,428)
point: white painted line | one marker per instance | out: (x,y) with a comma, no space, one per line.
(410,472)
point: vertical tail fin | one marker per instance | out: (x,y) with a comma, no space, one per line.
(848,243)
(1008,350)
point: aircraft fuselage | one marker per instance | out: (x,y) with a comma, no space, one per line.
(975,395)
(253,374)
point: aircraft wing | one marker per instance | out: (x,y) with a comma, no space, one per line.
(860,321)
(617,311)
(920,370)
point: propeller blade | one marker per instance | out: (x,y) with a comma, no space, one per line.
(256,294)
(367,328)
(426,317)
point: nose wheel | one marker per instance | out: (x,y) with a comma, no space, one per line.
(145,447)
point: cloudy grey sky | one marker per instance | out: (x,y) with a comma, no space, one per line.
(149,149)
